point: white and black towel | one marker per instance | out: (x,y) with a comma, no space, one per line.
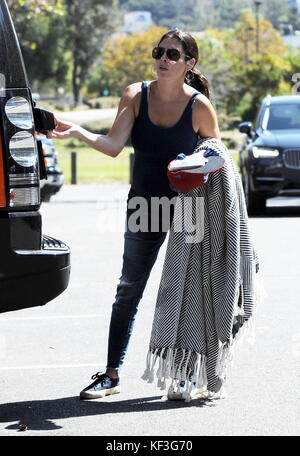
(208,286)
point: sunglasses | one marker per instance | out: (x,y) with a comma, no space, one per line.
(172,54)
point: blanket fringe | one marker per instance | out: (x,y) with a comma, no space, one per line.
(178,371)
(195,382)
(150,363)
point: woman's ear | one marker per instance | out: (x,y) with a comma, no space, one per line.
(191,63)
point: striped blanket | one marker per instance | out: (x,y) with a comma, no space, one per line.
(208,286)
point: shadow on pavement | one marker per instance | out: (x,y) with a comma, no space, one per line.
(38,415)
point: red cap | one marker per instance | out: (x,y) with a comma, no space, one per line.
(185,181)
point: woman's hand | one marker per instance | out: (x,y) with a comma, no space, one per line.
(63,130)
(112,143)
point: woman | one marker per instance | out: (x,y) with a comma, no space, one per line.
(165,117)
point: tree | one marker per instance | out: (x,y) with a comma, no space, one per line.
(199,14)
(255,75)
(36,6)
(42,40)
(276,11)
(244,33)
(164,12)
(128,59)
(215,63)
(196,15)
(46,58)
(228,11)
(88,25)
(292,77)
(264,75)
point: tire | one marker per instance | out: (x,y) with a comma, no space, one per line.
(255,202)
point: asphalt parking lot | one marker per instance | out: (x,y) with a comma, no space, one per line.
(48,354)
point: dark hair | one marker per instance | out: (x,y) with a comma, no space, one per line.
(193,77)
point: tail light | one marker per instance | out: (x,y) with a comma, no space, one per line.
(19,152)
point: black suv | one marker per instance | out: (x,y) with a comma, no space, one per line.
(34,269)
(269,158)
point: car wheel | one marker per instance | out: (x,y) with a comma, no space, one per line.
(255,202)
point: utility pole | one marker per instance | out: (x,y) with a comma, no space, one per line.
(257,5)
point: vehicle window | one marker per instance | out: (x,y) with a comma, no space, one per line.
(282,117)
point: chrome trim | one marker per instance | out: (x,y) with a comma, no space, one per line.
(23,179)
(24,196)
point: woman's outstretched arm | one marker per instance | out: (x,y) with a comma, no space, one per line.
(112,143)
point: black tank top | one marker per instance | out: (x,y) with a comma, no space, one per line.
(155,146)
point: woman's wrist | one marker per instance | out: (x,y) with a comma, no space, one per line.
(80,133)
(92,139)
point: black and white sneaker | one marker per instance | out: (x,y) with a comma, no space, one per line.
(101,387)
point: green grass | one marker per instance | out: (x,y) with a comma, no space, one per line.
(103,102)
(93,167)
